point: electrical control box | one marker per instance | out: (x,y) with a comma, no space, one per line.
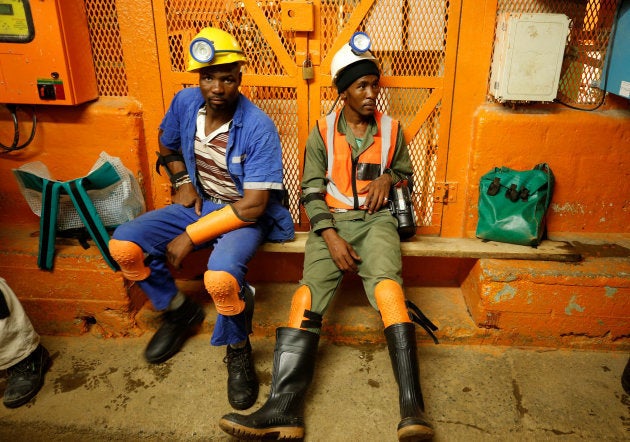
(45,53)
(528,54)
(616,76)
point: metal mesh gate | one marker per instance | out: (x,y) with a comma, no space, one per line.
(410,40)
(414,39)
(109,62)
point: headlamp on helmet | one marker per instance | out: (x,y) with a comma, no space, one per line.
(352,61)
(202,50)
(360,42)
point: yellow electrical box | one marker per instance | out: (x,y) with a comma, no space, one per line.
(45,53)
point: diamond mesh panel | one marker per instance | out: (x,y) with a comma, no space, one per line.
(107,52)
(591,24)
(408,36)
(409,39)
(423,150)
(334,16)
(185,18)
(281,105)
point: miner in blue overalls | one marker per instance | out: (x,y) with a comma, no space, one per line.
(224,160)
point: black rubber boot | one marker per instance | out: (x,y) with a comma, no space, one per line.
(401,342)
(26,378)
(242,384)
(177,326)
(281,416)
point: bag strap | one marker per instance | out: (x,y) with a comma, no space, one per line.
(551,181)
(519,185)
(48,223)
(92,221)
(416,315)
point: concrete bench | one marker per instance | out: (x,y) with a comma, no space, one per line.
(437,247)
(82,293)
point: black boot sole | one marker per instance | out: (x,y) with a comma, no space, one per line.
(414,432)
(271,433)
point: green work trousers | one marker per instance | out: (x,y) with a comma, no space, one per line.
(375,239)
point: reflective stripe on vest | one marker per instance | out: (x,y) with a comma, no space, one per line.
(339,193)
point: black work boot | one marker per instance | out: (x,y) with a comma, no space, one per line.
(177,326)
(281,416)
(625,378)
(242,383)
(242,380)
(26,378)
(403,352)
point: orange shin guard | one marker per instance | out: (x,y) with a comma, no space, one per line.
(130,258)
(390,300)
(216,223)
(300,303)
(224,289)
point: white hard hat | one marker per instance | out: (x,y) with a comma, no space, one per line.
(352,54)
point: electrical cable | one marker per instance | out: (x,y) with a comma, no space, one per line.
(16,131)
(333,105)
(605,69)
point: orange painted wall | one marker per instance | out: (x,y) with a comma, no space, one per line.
(585,149)
(588,151)
(68,141)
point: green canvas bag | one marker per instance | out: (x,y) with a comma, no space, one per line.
(513,204)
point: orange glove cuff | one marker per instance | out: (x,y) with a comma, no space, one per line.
(214,224)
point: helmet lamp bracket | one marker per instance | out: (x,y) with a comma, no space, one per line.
(360,43)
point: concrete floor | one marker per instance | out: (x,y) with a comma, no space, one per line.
(103,390)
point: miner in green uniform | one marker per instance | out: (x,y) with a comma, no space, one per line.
(353,157)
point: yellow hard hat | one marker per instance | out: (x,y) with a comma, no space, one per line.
(213,46)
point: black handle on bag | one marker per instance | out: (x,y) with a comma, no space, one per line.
(512,193)
(494,187)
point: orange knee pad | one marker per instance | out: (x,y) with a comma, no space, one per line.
(390,300)
(301,315)
(224,290)
(130,258)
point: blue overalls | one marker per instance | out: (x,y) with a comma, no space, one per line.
(254,160)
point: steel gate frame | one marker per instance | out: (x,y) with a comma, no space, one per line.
(292,41)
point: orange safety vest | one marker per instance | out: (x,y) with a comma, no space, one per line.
(343,183)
